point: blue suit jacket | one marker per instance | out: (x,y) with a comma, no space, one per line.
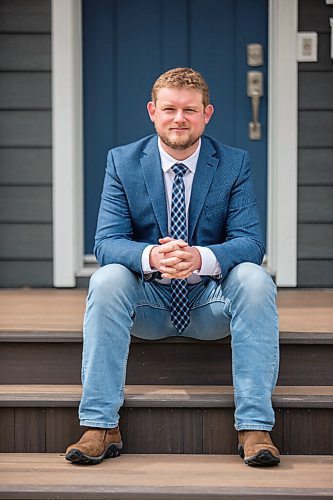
(222,214)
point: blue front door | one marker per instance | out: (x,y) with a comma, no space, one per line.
(127,44)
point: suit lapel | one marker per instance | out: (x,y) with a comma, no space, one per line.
(153,176)
(204,174)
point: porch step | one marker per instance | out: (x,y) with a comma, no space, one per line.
(163,477)
(41,342)
(55,358)
(164,419)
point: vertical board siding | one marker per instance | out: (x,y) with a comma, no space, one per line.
(25,144)
(315,152)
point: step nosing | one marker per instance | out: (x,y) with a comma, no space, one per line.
(157,476)
(159,492)
(168,396)
(65,336)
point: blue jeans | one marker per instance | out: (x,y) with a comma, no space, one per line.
(119,304)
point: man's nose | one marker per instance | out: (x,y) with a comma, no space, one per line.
(179,116)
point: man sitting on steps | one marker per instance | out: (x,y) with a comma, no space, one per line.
(180,249)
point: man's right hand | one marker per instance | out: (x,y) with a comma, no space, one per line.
(172,260)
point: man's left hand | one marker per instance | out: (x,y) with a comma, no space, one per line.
(178,263)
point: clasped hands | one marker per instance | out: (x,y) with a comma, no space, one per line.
(174,258)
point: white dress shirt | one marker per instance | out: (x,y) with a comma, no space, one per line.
(209,263)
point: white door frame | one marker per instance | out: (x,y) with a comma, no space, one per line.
(282,142)
(67,142)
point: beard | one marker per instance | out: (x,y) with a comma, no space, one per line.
(178,143)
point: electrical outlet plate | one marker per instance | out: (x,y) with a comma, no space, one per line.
(307,46)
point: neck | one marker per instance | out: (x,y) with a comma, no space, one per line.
(180,154)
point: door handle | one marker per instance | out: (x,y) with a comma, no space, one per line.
(255,91)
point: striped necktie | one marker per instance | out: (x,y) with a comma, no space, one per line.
(180,310)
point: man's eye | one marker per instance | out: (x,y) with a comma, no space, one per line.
(190,110)
(168,109)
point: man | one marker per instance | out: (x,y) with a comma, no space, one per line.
(179,243)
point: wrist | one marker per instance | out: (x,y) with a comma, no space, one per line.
(197,261)
(152,257)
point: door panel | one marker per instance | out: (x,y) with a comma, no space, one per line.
(127,44)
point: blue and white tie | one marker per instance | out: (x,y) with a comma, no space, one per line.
(180,310)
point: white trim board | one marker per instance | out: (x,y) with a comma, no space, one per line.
(67,142)
(67,145)
(282,142)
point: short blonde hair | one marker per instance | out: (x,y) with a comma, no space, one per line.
(182,78)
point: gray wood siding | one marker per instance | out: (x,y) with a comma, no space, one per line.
(315,166)
(25,204)
(25,91)
(26,241)
(25,128)
(25,143)
(25,166)
(315,204)
(308,237)
(314,273)
(32,16)
(25,52)
(315,153)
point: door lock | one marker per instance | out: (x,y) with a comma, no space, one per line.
(255,91)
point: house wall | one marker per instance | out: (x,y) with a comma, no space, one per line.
(25,147)
(315,152)
(25,143)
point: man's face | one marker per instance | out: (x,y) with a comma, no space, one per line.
(179,117)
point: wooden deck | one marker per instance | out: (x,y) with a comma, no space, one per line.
(171,396)
(164,476)
(51,310)
(179,397)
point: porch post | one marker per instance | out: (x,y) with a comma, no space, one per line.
(282,146)
(67,141)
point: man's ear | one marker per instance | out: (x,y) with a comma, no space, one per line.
(151,110)
(209,110)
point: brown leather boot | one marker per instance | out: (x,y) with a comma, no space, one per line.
(94,445)
(257,449)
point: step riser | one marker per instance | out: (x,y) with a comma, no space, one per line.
(165,430)
(158,363)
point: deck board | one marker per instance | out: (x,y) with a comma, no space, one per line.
(61,311)
(157,474)
(191,396)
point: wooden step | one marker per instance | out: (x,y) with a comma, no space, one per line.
(50,310)
(164,396)
(164,419)
(162,477)
(41,342)
(54,357)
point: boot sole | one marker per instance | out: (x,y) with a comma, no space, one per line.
(76,457)
(264,458)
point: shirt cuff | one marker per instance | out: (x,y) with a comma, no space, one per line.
(209,263)
(145,260)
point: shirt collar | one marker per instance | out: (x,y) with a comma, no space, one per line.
(168,161)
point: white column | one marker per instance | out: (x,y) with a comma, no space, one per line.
(67,149)
(282,146)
